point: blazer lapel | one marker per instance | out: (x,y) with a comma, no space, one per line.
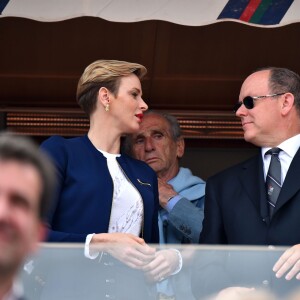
(252,179)
(291,183)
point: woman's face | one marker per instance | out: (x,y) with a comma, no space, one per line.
(128,106)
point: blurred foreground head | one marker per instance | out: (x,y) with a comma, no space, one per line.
(26,184)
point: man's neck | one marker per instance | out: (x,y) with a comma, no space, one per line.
(169,174)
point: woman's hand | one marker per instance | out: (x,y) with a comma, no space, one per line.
(126,247)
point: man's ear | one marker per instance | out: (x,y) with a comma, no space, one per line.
(180,147)
(287,103)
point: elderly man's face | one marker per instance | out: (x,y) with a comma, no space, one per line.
(20,226)
(154,144)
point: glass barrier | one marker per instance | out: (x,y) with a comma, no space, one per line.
(61,271)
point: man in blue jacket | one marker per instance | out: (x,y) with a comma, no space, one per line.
(181,194)
(160,144)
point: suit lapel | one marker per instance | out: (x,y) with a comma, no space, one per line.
(252,180)
(291,183)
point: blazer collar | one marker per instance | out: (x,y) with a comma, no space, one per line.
(291,183)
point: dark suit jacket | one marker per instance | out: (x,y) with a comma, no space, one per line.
(236,213)
(236,209)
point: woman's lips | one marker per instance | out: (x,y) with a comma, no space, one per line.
(140,116)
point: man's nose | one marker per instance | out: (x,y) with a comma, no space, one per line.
(242,111)
(149,146)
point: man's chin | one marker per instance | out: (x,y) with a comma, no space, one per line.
(154,165)
(249,137)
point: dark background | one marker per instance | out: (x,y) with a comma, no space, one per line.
(193,72)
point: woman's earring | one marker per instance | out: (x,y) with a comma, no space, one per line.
(107,107)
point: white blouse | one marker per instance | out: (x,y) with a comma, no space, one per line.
(127,206)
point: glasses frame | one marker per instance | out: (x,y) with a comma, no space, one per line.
(249,101)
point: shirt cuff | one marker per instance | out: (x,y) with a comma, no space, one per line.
(172,202)
(179,267)
(87,253)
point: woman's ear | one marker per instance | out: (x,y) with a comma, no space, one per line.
(103,96)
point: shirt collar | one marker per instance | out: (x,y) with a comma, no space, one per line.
(289,146)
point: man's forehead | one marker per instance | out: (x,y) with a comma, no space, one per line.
(256,83)
(151,131)
(153,124)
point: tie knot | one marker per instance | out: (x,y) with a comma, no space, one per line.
(274,151)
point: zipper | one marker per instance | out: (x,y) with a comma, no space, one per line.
(112,199)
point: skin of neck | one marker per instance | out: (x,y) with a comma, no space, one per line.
(103,136)
(289,128)
(169,174)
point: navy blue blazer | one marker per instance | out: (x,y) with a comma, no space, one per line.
(85,190)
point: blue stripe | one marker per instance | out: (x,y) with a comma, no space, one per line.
(233,9)
(3,4)
(276,12)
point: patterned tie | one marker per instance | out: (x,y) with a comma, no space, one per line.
(273,180)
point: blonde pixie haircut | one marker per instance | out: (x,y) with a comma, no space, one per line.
(103,73)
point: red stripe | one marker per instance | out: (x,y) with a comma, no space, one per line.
(250,10)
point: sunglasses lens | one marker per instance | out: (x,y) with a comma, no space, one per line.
(248,102)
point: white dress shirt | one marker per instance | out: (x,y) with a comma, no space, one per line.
(289,148)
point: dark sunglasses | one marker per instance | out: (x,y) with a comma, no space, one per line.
(249,101)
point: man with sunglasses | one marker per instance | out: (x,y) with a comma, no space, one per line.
(238,209)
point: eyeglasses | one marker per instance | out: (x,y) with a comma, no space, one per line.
(249,101)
